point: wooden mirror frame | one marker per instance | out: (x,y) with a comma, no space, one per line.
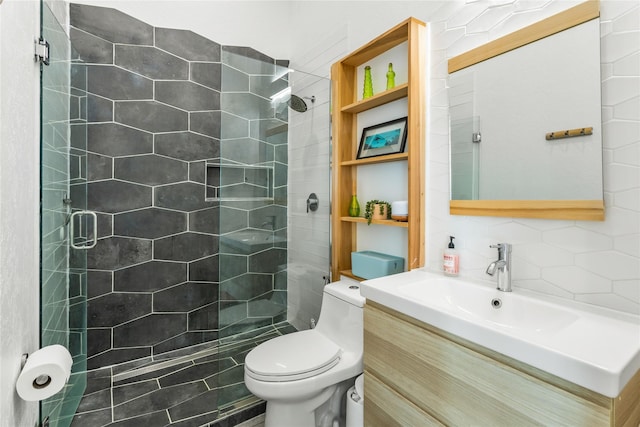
(590,210)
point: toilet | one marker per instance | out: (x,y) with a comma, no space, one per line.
(304,376)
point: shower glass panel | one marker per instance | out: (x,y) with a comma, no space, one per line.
(253,194)
(251,181)
(63,191)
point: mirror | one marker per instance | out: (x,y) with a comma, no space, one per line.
(525,122)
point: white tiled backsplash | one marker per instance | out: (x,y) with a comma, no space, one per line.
(592,262)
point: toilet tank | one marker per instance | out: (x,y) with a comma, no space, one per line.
(341,314)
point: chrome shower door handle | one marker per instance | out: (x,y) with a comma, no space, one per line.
(86,244)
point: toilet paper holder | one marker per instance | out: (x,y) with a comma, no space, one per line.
(44,372)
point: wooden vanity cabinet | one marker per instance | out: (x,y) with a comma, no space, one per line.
(418,375)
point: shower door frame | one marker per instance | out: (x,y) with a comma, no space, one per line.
(62,191)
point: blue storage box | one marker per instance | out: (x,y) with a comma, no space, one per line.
(369,264)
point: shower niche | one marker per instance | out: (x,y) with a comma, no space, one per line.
(237,182)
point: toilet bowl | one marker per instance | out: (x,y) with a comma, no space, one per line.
(304,376)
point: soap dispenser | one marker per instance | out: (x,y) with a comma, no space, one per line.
(451,260)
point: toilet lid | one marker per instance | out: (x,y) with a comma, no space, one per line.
(292,357)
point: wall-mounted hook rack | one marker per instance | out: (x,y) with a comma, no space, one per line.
(569,133)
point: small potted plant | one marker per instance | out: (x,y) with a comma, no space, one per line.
(377,209)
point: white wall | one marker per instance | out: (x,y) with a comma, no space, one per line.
(19,192)
(592,262)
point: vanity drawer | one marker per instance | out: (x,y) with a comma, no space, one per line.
(386,407)
(459,386)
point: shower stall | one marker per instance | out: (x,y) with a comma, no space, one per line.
(167,209)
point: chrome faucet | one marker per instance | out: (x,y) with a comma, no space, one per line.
(503,266)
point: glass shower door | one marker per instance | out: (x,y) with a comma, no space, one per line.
(63,193)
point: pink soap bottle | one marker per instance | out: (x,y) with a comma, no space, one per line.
(451,262)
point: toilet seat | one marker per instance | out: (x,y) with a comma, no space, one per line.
(292,357)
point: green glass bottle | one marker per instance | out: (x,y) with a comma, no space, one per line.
(368,84)
(391,77)
(354,206)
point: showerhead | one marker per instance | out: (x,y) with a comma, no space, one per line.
(297,103)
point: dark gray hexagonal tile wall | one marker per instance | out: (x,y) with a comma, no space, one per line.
(161,103)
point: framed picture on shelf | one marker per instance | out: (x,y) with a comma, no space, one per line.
(385,138)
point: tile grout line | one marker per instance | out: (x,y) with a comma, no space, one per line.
(111,381)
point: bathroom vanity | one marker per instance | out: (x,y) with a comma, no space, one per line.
(434,356)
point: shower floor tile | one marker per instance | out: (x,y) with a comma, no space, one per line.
(202,389)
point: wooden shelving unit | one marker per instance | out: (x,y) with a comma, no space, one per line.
(346,107)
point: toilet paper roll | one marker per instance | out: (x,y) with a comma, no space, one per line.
(46,372)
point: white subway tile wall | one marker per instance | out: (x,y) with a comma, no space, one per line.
(593,262)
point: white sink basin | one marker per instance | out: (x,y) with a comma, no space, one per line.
(507,311)
(596,348)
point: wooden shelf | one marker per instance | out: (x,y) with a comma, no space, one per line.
(362,220)
(385,97)
(379,159)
